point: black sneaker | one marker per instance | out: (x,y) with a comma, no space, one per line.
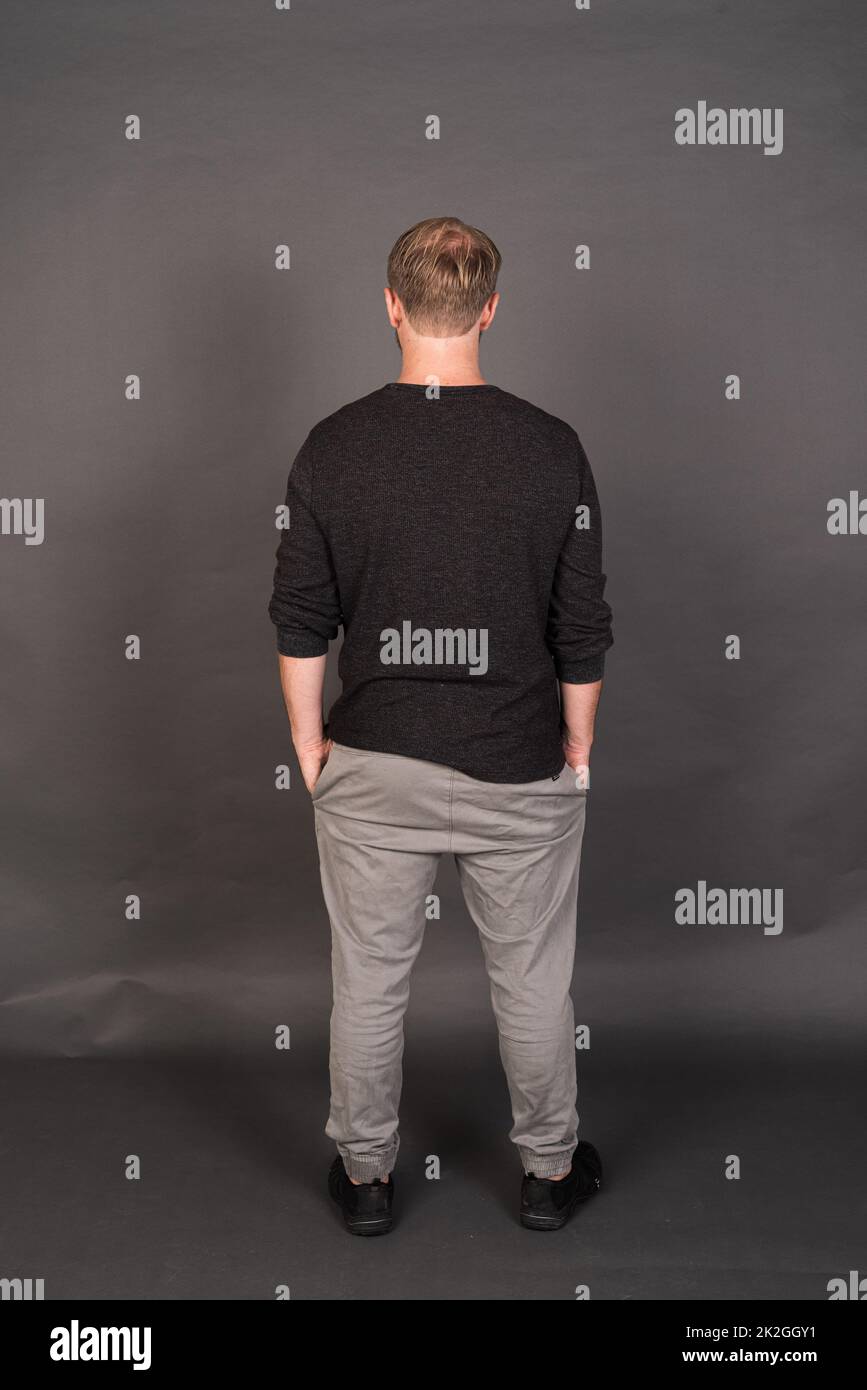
(366,1206)
(547,1205)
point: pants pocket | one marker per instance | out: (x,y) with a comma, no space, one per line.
(324,777)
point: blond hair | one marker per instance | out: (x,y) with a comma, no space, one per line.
(443,272)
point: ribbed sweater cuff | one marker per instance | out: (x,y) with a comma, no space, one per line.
(581,672)
(292,643)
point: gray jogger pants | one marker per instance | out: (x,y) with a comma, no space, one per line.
(382,821)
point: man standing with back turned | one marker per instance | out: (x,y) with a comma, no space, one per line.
(453,530)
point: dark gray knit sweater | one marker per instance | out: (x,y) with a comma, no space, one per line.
(458,542)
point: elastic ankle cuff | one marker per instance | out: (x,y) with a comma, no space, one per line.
(548,1165)
(368,1167)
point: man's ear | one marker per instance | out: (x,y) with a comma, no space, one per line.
(393,307)
(488,312)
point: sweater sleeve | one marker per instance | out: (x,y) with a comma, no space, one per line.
(579,620)
(305,602)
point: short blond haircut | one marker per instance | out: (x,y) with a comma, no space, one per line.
(443,272)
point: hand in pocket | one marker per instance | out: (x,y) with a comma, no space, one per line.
(312,760)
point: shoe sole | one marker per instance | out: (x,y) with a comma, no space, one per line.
(378,1227)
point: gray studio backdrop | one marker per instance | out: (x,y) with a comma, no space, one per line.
(156,258)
